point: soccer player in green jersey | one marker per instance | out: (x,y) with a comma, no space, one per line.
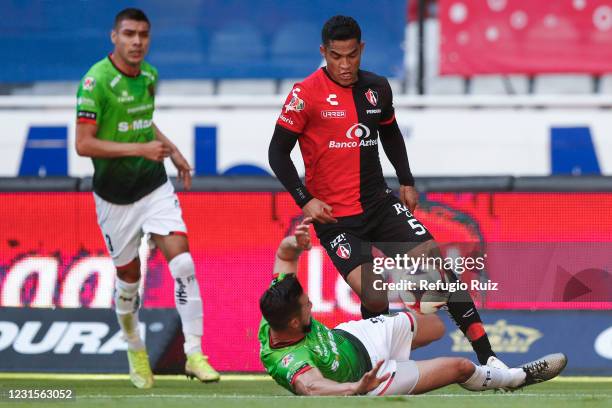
(369,356)
(133,195)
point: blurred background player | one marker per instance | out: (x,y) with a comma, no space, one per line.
(132,192)
(366,356)
(336,114)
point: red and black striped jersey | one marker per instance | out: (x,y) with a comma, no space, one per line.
(337,130)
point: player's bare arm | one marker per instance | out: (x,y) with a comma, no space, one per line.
(319,211)
(312,382)
(179,161)
(291,248)
(88,145)
(409,197)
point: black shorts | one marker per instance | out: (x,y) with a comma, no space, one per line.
(349,241)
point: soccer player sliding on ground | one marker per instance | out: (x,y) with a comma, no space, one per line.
(369,356)
(133,195)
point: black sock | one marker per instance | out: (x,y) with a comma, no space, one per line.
(463,311)
(366,314)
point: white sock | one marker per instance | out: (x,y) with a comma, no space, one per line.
(488,378)
(127,302)
(188,301)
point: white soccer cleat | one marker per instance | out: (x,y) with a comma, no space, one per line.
(496,362)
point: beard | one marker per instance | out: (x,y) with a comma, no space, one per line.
(307,327)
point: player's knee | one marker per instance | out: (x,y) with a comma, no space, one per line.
(464,369)
(376,306)
(437,328)
(182,266)
(129,273)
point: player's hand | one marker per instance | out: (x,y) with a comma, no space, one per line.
(319,211)
(183,167)
(302,234)
(369,381)
(155,151)
(409,197)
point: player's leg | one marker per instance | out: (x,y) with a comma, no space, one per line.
(405,234)
(120,226)
(351,254)
(164,223)
(440,372)
(188,300)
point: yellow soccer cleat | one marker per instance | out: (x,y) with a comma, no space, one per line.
(140,369)
(197,366)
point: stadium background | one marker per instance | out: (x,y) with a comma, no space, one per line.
(511,149)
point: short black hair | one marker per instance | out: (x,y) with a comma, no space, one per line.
(130,14)
(340,28)
(281,303)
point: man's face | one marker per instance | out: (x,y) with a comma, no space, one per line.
(343,58)
(131,39)
(305,313)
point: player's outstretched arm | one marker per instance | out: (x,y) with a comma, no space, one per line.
(88,145)
(312,382)
(290,248)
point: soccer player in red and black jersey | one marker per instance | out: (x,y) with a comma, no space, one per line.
(338,115)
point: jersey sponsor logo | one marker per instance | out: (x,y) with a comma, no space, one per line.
(286,119)
(287,360)
(358,130)
(89,83)
(138,124)
(373,111)
(372,97)
(333,114)
(81,100)
(335,365)
(125,97)
(86,115)
(140,108)
(115,81)
(332,99)
(295,104)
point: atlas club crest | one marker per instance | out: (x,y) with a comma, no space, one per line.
(372,97)
(344,250)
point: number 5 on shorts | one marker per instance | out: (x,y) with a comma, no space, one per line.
(414,223)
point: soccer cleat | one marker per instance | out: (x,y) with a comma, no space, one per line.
(496,363)
(197,366)
(140,369)
(544,369)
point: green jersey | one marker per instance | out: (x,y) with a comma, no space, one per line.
(122,108)
(338,355)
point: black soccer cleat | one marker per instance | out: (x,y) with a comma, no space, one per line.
(544,369)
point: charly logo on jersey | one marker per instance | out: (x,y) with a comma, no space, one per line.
(332,99)
(358,135)
(295,104)
(138,124)
(342,246)
(287,360)
(89,83)
(372,97)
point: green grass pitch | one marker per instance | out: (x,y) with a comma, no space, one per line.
(260,391)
